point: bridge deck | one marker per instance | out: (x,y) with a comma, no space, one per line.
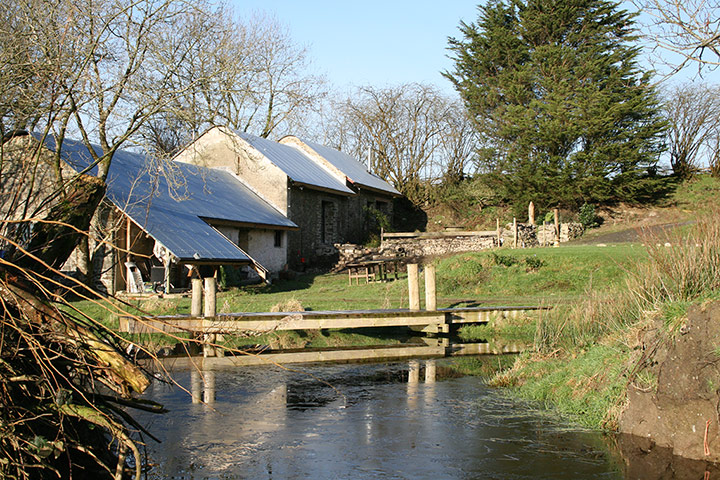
(429,321)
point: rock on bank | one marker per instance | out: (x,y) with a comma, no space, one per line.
(682,411)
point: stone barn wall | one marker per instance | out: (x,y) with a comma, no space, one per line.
(323,219)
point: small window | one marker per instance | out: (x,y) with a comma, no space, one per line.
(278,238)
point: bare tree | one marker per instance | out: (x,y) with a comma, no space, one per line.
(411,134)
(256,79)
(688,29)
(458,144)
(100,70)
(693,115)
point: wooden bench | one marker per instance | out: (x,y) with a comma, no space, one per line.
(371,270)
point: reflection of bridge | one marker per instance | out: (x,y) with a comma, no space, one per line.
(429,348)
(203,370)
(211,325)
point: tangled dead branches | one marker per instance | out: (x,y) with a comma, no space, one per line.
(63,388)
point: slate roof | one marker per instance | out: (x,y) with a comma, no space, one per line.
(296,165)
(352,168)
(174,216)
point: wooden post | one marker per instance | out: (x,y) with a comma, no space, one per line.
(413,286)
(531,213)
(499,235)
(210,297)
(515,233)
(413,372)
(195,385)
(166,276)
(209,381)
(557,227)
(197,295)
(430,291)
(209,313)
(128,255)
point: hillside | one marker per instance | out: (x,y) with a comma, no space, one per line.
(618,223)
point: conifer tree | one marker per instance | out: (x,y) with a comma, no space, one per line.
(556,88)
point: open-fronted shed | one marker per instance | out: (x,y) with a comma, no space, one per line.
(184,215)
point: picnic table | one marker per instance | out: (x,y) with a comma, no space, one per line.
(375,270)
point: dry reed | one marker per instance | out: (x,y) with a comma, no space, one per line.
(679,270)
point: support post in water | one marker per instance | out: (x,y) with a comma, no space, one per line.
(413,286)
(209,383)
(196,388)
(430,290)
(196,305)
(413,372)
(430,371)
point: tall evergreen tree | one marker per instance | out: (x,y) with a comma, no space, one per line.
(555,86)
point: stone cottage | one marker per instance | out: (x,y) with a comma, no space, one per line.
(373,195)
(327,203)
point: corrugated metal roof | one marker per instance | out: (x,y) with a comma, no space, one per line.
(174,216)
(352,168)
(296,165)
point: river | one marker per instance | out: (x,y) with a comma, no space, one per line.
(405,420)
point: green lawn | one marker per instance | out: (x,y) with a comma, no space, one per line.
(533,277)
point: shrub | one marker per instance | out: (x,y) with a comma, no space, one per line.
(587,216)
(533,263)
(686,270)
(504,260)
(461,274)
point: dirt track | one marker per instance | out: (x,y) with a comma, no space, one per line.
(660,232)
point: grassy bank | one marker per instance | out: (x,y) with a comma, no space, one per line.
(588,352)
(505,277)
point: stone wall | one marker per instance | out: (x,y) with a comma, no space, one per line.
(443,243)
(430,244)
(540,235)
(313,244)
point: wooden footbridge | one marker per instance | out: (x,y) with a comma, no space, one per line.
(211,324)
(429,321)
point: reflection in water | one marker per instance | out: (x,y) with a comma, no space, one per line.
(268,423)
(643,460)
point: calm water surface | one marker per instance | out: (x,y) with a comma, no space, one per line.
(266,423)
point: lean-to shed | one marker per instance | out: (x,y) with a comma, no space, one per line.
(178,217)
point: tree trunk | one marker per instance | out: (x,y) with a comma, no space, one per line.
(55,238)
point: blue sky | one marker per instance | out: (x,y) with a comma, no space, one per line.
(372,42)
(382,43)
